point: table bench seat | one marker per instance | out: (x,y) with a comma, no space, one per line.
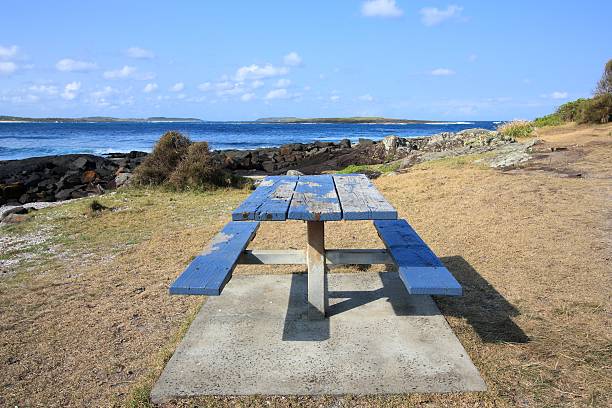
(419,268)
(210,271)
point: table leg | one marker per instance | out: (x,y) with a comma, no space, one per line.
(315,258)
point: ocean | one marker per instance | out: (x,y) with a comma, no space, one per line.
(22,140)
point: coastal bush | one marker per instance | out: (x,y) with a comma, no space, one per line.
(549,120)
(569,112)
(516,129)
(157,167)
(596,110)
(604,86)
(199,169)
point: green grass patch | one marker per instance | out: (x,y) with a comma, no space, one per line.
(370,168)
(549,120)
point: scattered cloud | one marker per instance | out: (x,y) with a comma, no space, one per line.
(71,90)
(247,97)
(112,98)
(178,87)
(366,97)
(292,59)
(277,94)
(381,8)
(334,98)
(431,16)
(283,83)
(44,89)
(442,72)
(556,95)
(257,84)
(70,65)
(7,68)
(8,52)
(139,53)
(205,86)
(150,87)
(124,72)
(472,57)
(254,71)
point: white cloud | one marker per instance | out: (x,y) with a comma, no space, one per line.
(431,16)
(139,53)
(366,97)
(71,90)
(205,87)
(8,52)
(277,94)
(442,72)
(257,84)
(70,65)
(7,68)
(247,97)
(151,87)
(381,8)
(124,72)
(292,59)
(283,83)
(556,95)
(44,89)
(258,72)
(334,98)
(178,87)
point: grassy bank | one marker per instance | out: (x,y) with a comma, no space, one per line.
(86,319)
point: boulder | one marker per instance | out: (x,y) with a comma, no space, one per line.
(365,142)
(13,210)
(122,179)
(345,144)
(294,173)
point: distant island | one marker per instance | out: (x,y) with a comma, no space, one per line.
(354,119)
(96,119)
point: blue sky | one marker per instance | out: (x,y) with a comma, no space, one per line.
(240,60)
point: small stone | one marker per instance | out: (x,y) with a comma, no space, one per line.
(294,173)
(14,218)
(89,176)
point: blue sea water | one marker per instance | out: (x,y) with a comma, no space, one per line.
(22,140)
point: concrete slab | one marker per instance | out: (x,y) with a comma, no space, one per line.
(255,339)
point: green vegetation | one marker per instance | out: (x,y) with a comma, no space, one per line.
(370,168)
(181,164)
(516,129)
(549,120)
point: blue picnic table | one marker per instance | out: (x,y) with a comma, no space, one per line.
(316,200)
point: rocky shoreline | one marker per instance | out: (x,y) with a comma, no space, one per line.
(56,178)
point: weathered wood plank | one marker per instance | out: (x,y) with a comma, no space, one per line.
(210,271)
(315,199)
(419,268)
(269,202)
(360,200)
(315,258)
(332,257)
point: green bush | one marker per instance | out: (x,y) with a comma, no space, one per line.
(199,169)
(159,165)
(569,112)
(516,129)
(596,110)
(549,120)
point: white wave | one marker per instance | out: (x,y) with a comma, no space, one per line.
(449,123)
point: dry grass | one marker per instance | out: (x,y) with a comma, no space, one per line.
(86,319)
(516,129)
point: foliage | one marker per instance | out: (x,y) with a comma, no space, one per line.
(198,169)
(159,165)
(604,86)
(568,112)
(516,129)
(549,120)
(596,110)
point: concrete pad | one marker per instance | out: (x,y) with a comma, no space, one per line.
(255,339)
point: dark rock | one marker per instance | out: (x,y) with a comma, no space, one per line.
(345,144)
(13,210)
(12,191)
(365,142)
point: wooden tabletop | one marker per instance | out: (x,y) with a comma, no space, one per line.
(315,198)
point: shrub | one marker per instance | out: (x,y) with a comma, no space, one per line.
(199,169)
(604,86)
(596,110)
(159,165)
(516,129)
(549,120)
(568,112)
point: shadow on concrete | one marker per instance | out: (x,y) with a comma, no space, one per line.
(297,327)
(485,309)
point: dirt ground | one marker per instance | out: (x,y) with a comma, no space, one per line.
(85,318)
